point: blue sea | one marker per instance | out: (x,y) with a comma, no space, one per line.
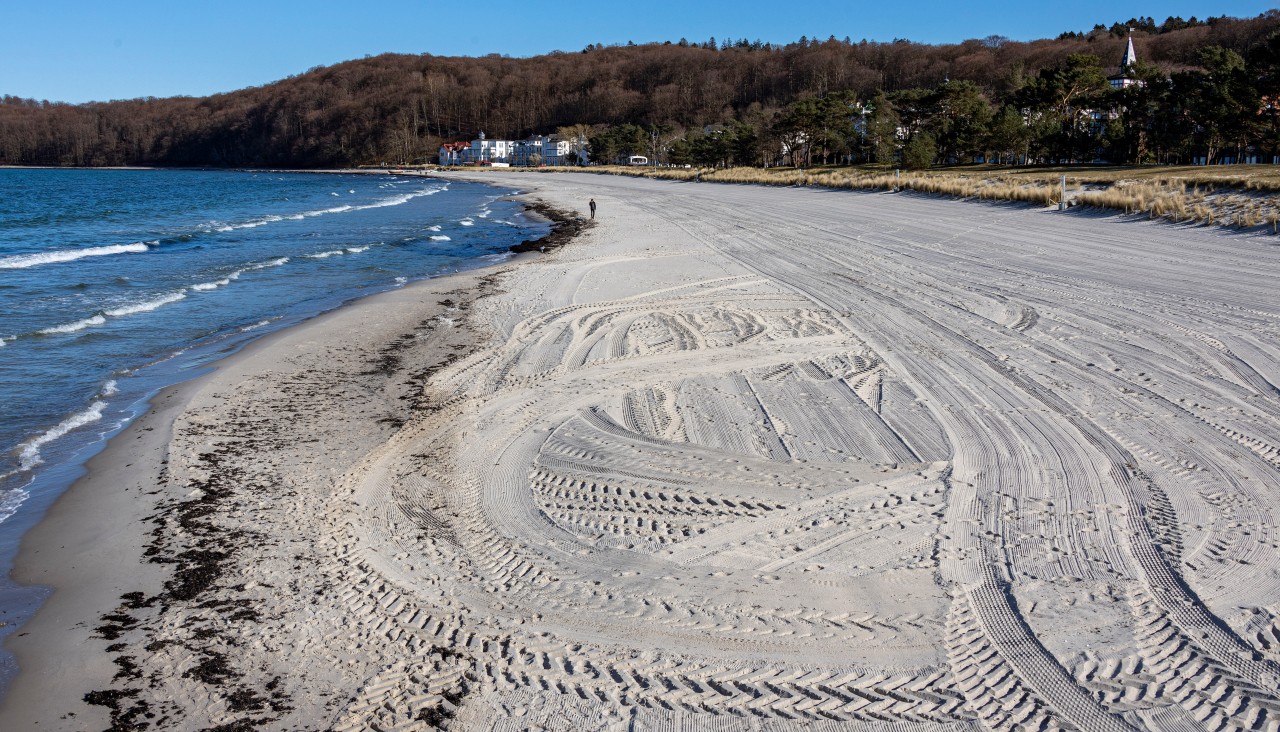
(116,283)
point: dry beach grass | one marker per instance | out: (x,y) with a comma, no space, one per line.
(1244,196)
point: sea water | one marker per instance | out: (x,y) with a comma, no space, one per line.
(116,283)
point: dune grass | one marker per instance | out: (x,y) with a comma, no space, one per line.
(1237,196)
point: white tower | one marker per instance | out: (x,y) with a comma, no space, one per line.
(1124,80)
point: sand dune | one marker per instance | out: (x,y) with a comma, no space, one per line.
(749,458)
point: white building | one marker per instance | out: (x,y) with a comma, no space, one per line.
(556,152)
(491,151)
(544,150)
(536,150)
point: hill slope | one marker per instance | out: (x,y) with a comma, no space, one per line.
(399,107)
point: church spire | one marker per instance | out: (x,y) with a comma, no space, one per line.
(1124,79)
(1130,57)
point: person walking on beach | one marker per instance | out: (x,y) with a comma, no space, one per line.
(592,204)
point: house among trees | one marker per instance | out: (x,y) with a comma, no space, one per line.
(541,150)
(1100,118)
(453,153)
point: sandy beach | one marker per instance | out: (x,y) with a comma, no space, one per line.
(734,458)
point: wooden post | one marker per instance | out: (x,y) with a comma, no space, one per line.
(1062,202)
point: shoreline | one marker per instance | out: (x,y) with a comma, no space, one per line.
(118,480)
(42,487)
(78,548)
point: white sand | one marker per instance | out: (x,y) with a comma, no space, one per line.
(739,458)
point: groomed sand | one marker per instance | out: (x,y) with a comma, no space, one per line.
(737,458)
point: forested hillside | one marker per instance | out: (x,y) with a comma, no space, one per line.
(398,108)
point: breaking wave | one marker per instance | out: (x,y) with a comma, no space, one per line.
(100,318)
(22,261)
(148,305)
(206,286)
(263,265)
(255,326)
(90,321)
(30,455)
(264,220)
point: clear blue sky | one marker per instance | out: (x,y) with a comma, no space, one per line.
(77,50)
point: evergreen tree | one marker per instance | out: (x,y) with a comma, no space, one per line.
(880,140)
(1220,98)
(1066,95)
(1008,137)
(1264,65)
(920,151)
(960,120)
(796,127)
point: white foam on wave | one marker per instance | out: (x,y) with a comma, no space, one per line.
(30,455)
(10,500)
(264,265)
(206,286)
(323,211)
(110,388)
(485,213)
(147,305)
(324,255)
(255,326)
(440,237)
(401,280)
(467,222)
(253,224)
(263,220)
(398,200)
(92,320)
(100,318)
(433,228)
(357,250)
(22,261)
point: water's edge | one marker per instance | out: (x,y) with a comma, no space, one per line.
(54,480)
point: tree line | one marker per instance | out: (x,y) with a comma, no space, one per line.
(1211,90)
(1225,109)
